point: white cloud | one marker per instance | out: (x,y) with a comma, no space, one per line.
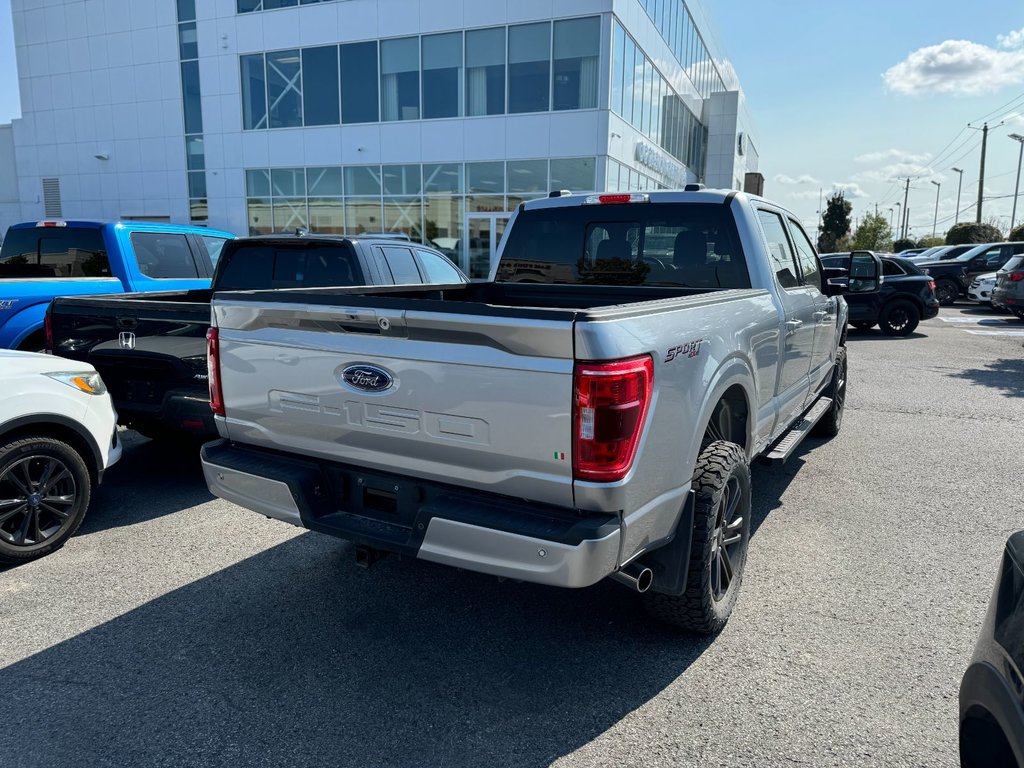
(807,194)
(1014,119)
(892,172)
(957,67)
(849,189)
(1011,40)
(897,155)
(806,178)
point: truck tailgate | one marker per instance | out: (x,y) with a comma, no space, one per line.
(453,410)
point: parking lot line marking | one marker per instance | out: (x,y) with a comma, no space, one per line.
(995,333)
(977,321)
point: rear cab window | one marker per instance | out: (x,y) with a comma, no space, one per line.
(779,249)
(61,253)
(258,266)
(692,245)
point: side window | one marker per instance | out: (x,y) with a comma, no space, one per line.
(438,269)
(163,255)
(783,262)
(214,245)
(891,269)
(805,255)
(402,264)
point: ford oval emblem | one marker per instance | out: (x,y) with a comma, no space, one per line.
(368,378)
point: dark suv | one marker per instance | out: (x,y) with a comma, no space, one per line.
(954,269)
(1009,291)
(905,296)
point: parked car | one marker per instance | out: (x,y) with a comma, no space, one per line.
(925,254)
(58,434)
(41,260)
(553,432)
(1009,291)
(992,691)
(953,273)
(905,296)
(907,252)
(151,347)
(981,287)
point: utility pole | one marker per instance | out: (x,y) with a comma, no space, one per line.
(890,219)
(959,185)
(906,210)
(899,219)
(1016,187)
(981,173)
(935,221)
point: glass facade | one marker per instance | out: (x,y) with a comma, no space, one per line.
(192,112)
(674,22)
(648,102)
(429,202)
(535,67)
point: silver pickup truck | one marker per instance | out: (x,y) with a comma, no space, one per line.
(590,412)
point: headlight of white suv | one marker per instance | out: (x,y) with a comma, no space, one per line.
(90,383)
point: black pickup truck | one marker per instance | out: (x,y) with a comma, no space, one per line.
(150,348)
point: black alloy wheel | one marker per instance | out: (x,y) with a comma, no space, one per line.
(727,549)
(900,318)
(44,492)
(947,292)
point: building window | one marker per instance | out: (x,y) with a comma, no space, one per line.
(573,173)
(485,183)
(618,65)
(529,65)
(254,92)
(320,86)
(442,75)
(527,179)
(577,45)
(485,71)
(191,97)
(400,78)
(359,83)
(284,89)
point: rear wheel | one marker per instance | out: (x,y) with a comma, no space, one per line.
(829,424)
(1018,312)
(947,292)
(44,493)
(718,552)
(899,318)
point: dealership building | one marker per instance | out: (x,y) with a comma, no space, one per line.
(433,118)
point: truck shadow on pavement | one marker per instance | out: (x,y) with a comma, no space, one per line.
(296,657)
(1006,375)
(152,479)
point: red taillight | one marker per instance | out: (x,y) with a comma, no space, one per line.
(609,409)
(48,331)
(617,197)
(1016,277)
(213,364)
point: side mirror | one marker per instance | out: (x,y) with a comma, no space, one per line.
(865,272)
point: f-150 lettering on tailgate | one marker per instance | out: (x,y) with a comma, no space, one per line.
(373,416)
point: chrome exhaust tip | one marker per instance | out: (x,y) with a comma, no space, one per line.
(637,577)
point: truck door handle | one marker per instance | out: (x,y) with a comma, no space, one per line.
(792,326)
(820,315)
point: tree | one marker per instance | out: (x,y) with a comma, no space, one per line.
(966,233)
(930,242)
(873,234)
(1017,234)
(902,244)
(835,224)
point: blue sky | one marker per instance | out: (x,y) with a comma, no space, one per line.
(826,112)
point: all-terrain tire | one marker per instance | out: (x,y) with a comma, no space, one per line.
(899,318)
(829,424)
(34,529)
(722,479)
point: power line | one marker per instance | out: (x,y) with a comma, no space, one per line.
(1019,97)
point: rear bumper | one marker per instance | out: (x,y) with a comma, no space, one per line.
(444,524)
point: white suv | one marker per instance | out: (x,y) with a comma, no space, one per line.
(58,433)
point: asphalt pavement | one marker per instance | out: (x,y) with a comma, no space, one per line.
(176,629)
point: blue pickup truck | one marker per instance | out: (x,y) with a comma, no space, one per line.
(42,260)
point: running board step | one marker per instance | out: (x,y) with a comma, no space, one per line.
(786,445)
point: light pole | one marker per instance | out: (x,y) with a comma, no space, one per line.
(1016,189)
(959,186)
(899,219)
(890,219)
(935,221)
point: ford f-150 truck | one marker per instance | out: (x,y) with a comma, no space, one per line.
(150,348)
(41,260)
(599,424)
